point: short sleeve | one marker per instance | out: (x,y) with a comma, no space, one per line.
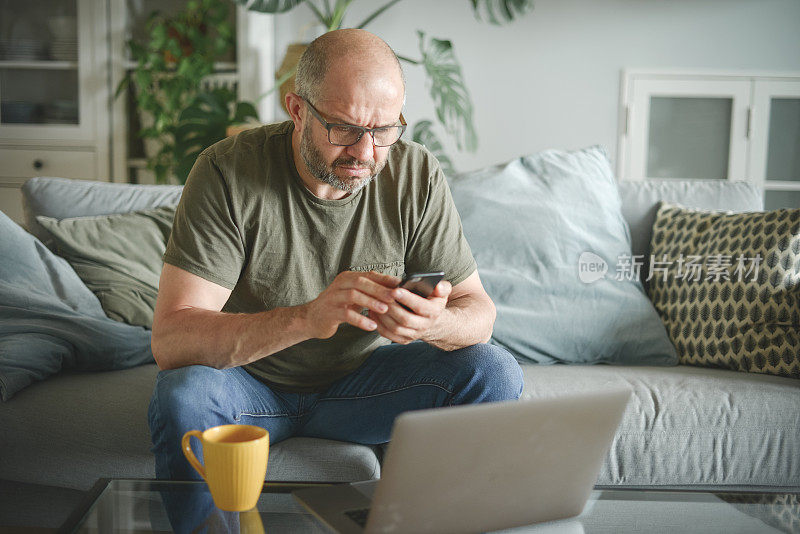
(205,238)
(438,242)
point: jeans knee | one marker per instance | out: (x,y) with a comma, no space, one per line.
(180,392)
(494,370)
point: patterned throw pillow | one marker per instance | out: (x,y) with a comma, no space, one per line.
(727,286)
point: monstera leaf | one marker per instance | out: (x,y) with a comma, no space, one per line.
(423,134)
(449,93)
(331,19)
(500,11)
(203,123)
(269,6)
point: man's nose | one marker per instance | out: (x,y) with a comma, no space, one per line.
(364,150)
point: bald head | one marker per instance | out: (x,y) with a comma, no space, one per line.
(358,55)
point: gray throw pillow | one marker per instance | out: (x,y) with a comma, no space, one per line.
(532,225)
(49,320)
(117,256)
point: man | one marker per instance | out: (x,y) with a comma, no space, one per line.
(284,235)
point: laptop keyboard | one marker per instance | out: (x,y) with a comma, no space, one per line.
(358,516)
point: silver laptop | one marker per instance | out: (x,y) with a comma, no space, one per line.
(480,467)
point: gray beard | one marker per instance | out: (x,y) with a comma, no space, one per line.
(321,171)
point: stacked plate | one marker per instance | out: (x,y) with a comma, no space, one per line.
(64,33)
(18,112)
(61,112)
(23,49)
(64,49)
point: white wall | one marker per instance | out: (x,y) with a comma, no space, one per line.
(551,79)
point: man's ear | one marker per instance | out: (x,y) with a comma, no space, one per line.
(294,105)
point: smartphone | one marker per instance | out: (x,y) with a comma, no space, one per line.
(422,284)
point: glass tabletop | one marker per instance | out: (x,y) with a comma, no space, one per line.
(128,506)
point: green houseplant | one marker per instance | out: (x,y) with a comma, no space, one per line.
(451,97)
(179,114)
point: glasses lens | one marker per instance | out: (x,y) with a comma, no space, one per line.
(350,135)
(344,135)
(388,135)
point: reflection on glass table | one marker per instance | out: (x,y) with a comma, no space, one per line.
(184,507)
(116,506)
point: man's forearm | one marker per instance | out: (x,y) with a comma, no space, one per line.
(196,336)
(464,322)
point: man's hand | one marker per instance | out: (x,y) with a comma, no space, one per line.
(343,300)
(404,326)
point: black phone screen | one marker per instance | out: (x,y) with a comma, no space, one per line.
(422,284)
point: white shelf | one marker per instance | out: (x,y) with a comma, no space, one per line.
(780,185)
(39,65)
(137,163)
(219,66)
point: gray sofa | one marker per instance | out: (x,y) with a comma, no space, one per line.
(686,426)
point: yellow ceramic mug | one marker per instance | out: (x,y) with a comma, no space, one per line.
(235,463)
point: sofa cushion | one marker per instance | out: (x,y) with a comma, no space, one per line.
(529,224)
(640,201)
(50,321)
(75,428)
(728,291)
(61,198)
(690,426)
(117,256)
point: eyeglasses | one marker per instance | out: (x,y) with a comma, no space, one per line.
(350,134)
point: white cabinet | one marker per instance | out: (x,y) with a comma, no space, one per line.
(775,151)
(60,64)
(53,94)
(725,126)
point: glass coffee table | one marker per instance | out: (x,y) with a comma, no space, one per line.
(135,505)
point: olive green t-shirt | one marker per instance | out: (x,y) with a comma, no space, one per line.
(247,222)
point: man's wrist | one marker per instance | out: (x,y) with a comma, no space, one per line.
(456,327)
(433,336)
(299,322)
(274,330)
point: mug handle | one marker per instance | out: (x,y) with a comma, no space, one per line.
(187,451)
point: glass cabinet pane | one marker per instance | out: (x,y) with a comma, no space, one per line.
(38,96)
(783,148)
(39,62)
(774,200)
(38,30)
(689,137)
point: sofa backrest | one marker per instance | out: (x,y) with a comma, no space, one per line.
(61,198)
(640,202)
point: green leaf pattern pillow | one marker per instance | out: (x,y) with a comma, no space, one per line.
(728,287)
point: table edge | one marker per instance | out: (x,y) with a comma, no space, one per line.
(79,512)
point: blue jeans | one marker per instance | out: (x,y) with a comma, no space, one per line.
(359,407)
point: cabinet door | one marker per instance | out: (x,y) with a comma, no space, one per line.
(775,151)
(687,128)
(46,62)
